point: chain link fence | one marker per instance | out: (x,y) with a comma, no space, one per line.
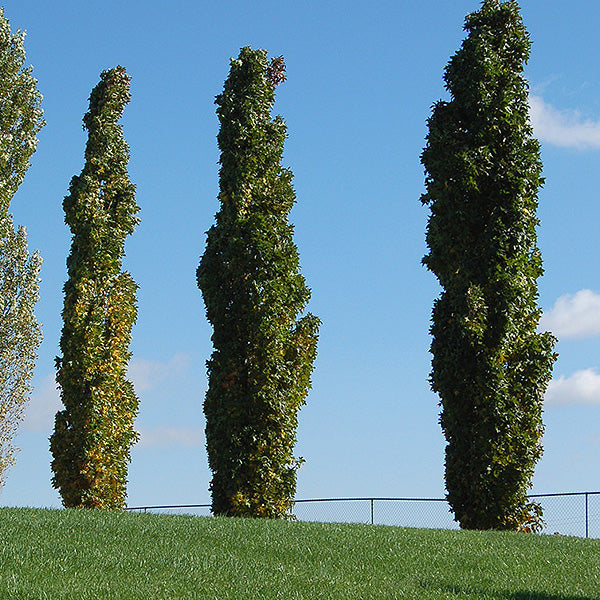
(574,514)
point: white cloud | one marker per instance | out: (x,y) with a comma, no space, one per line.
(583,387)
(564,128)
(574,316)
(44,403)
(170,436)
(147,374)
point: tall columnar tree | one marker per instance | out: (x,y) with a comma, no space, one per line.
(259,372)
(94,433)
(490,365)
(20,334)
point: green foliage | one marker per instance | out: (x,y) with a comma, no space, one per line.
(259,372)
(20,334)
(490,365)
(20,112)
(94,433)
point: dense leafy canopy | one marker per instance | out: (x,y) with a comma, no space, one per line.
(259,372)
(20,334)
(20,112)
(490,365)
(94,433)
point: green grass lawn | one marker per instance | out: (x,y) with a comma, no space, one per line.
(51,554)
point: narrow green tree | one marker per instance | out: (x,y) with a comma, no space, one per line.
(259,372)
(94,433)
(20,334)
(490,365)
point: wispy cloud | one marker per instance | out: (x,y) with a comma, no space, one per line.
(44,403)
(564,128)
(574,315)
(170,436)
(147,374)
(583,387)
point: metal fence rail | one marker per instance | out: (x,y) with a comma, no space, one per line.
(573,513)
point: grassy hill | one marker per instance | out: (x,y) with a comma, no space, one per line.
(80,555)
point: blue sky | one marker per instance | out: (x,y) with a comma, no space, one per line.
(362,77)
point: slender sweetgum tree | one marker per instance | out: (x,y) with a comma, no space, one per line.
(94,433)
(490,364)
(259,372)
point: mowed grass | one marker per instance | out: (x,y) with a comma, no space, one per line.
(65,554)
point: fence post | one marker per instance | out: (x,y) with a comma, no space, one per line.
(372,502)
(587,530)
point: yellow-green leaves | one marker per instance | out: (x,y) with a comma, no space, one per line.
(21,112)
(259,373)
(20,334)
(94,433)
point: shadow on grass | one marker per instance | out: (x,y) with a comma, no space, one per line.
(542,596)
(504,595)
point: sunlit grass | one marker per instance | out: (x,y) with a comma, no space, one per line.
(100,555)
